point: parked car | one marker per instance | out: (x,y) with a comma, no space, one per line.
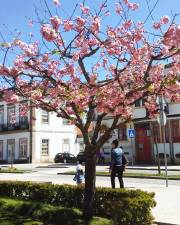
(65,158)
(81,157)
(106,158)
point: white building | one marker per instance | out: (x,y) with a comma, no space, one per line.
(36,137)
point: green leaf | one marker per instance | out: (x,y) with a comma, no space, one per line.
(55,52)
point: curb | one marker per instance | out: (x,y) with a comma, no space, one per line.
(140,177)
(154,169)
(161,223)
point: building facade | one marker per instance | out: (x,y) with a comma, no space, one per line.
(35,137)
(148,143)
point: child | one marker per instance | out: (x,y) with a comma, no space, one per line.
(79,177)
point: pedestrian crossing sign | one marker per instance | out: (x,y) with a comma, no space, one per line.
(131,133)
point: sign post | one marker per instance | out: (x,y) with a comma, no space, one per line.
(162,122)
(131,135)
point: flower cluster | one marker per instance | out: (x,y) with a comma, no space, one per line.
(48,33)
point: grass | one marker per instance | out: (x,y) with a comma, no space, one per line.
(162,175)
(12,170)
(18,212)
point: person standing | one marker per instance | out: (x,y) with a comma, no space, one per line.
(118,163)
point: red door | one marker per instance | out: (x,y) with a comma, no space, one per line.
(143,144)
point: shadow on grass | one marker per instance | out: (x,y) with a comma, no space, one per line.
(14,212)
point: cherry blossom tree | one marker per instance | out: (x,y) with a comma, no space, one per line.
(85,68)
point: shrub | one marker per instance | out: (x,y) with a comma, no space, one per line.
(125,207)
(55,215)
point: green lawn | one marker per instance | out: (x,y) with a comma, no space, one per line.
(18,212)
(12,170)
(162,175)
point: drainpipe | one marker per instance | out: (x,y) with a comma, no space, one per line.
(30,134)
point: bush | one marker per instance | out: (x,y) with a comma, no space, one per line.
(125,207)
(16,211)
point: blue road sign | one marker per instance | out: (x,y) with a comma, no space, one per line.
(131,133)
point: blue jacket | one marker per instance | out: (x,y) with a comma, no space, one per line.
(116,157)
(79,177)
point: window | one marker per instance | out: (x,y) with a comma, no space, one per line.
(66,121)
(11,114)
(81,147)
(23,113)
(175,124)
(23,147)
(158,137)
(139,103)
(45,147)
(66,145)
(122,132)
(1,115)
(1,150)
(45,116)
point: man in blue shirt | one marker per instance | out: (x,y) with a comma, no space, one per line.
(118,162)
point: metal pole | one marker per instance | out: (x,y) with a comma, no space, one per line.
(132,152)
(164,139)
(132,158)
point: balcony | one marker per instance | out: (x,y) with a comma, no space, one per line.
(14,126)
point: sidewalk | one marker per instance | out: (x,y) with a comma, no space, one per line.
(153,167)
(99,167)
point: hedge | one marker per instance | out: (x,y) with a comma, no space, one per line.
(16,212)
(125,207)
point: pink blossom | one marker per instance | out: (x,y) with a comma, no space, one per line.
(55,21)
(164,20)
(157,25)
(56,2)
(118,8)
(95,25)
(133,6)
(10,96)
(107,13)
(84,9)
(127,24)
(68,25)
(45,57)
(4,70)
(14,71)
(76,56)
(30,23)
(126,1)
(48,32)
(80,21)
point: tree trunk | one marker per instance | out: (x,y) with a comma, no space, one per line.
(90,176)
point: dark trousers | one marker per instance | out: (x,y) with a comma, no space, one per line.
(119,171)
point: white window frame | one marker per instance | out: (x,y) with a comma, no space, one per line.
(66,141)
(10,107)
(42,154)
(21,140)
(45,117)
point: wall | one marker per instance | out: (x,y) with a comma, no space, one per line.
(15,136)
(55,132)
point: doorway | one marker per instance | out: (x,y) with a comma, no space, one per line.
(11,150)
(143,143)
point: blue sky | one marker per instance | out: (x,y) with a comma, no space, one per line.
(15,13)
